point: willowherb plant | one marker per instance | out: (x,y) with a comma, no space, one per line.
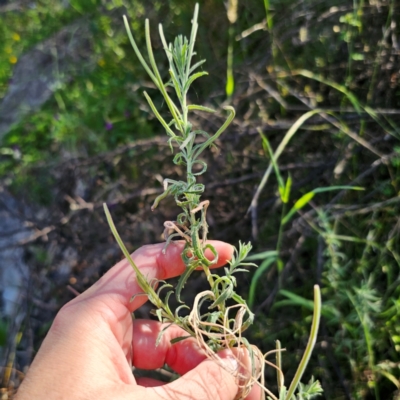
(221,327)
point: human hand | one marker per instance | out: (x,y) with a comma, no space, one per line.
(93,341)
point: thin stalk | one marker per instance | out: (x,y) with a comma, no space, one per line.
(279,375)
(268,15)
(310,345)
(280,232)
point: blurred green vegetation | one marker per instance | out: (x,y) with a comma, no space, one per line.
(282,59)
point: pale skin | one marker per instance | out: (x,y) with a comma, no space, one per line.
(88,352)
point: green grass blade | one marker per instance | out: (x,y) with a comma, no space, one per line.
(263,255)
(268,150)
(340,88)
(286,192)
(289,134)
(256,277)
(306,198)
(296,300)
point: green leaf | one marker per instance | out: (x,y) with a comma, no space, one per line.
(192,107)
(160,84)
(225,295)
(268,150)
(330,188)
(169,131)
(209,141)
(180,308)
(309,391)
(279,265)
(282,145)
(142,281)
(192,39)
(303,201)
(193,78)
(182,280)
(176,84)
(298,300)
(138,53)
(341,88)
(230,85)
(357,56)
(286,192)
(263,255)
(179,339)
(161,334)
(159,314)
(195,66)
(306,198)
(257,276)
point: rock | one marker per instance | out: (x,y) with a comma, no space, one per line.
(41,70)
(13,270)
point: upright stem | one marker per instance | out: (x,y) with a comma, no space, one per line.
(310,345)
(279,241)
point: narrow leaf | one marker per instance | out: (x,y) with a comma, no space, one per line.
(286,193)
(306,198)
(209,141)
(256,277)
(161,334)
(170,132)
(263,255)
(192,107)
(303,201)
(195,66)
(182,280)
(225,295)
(138,53)
(179,339)
(193,78)
(268,150)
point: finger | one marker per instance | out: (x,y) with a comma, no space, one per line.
(120,283)
(206,381)
(244,373)
(255,393)
(148,354)
(182,356)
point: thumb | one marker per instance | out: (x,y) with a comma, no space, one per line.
(207,381)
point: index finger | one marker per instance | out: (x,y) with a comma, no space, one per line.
(120,281)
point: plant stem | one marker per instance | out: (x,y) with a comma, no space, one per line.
(310,345)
